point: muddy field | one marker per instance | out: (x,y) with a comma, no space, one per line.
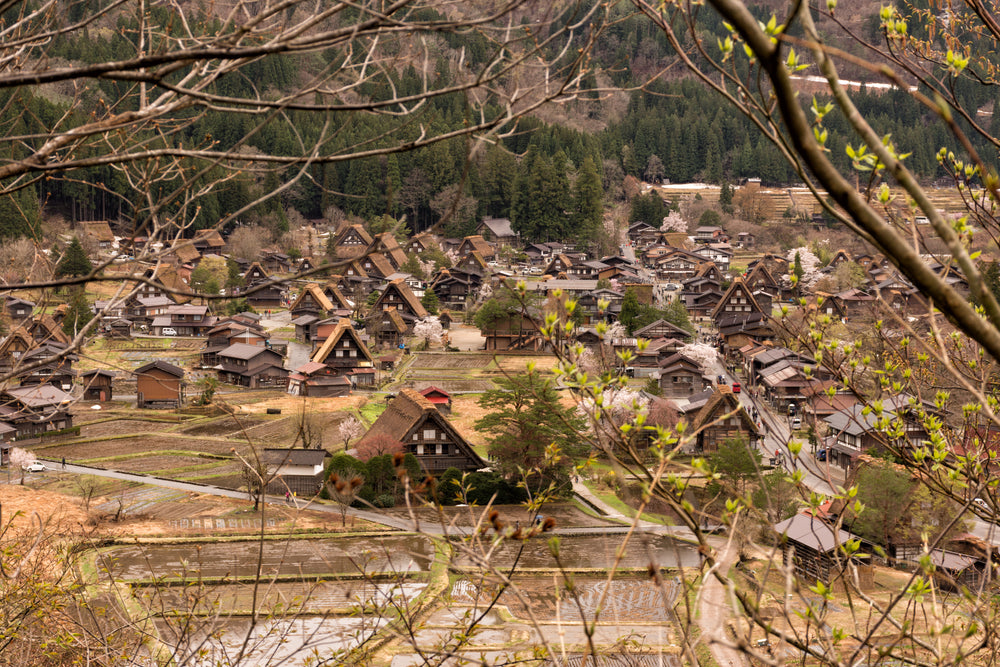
(440,361)
(117,427)
(591,551)
(295,597)
(158,463)
(225,426)
(624,599)
(114,447)
(348,555)
(566,515)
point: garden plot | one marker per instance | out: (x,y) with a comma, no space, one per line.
(450,361)
(137,502)
(152,463)
(117,427)
(117,447)
(450,385)
(225,426)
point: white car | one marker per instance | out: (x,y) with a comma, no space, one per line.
(981,503)
(37,466)
(169,331)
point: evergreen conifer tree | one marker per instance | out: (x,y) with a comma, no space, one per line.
(74,261)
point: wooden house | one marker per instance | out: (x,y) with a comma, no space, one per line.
(709,234)
(399,297)
(186,320)
(723,418)
(386,245)
(352,242)
(99,233)
(662,329)
(159,384)
(476,244)
(388,328)
(277,262)
(345,352)
(47,363)
(255,274)
(184,253)
(422,242)
(425,432)
(14,346)
(498,231)
(439,397)
(855,430)
(297,471)
(209,241)
(559,264)
(737,300)
(376,265)
(319,381)
(814,549)
(745,240)
(680,376)
(251,366)
(19,309)
(35,410)
(44,329)
(312,300)
(97,385)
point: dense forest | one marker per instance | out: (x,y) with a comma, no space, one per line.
(550,180)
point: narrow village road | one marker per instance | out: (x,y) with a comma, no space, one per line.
(714,611)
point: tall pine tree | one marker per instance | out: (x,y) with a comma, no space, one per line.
(589,200)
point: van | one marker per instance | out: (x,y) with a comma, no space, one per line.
(736,387)
(169,331)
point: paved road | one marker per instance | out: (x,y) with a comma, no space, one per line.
(818,475)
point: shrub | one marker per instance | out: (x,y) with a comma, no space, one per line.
(385,501)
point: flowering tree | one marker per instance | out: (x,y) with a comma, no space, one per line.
(349,429)
(674,223)
(704,355)
(429,329)
(21,458)
(810,265)
(616,330)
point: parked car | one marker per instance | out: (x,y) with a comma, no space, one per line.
(37,466)
(169,331)
(796,422)
(736,387)
(821,455)
(981,503)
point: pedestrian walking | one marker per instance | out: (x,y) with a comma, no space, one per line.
(288,497)
(64,463)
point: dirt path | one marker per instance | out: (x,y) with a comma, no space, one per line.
(714,611)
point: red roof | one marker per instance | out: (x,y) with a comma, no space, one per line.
(435,394)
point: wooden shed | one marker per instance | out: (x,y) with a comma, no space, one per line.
(159,384)
(97,385)
(814,548)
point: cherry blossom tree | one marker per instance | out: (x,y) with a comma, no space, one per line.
(429,329)
(674,223)
(810,265)
(349,429)
(21,459)
(704,355)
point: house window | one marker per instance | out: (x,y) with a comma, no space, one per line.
(439,449)
(415,436)
(429,434)
(420,450)
(354,353)
(340,353)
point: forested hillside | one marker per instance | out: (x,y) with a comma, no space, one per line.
(547,178)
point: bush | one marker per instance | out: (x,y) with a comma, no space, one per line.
(449,486)
(385,501)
